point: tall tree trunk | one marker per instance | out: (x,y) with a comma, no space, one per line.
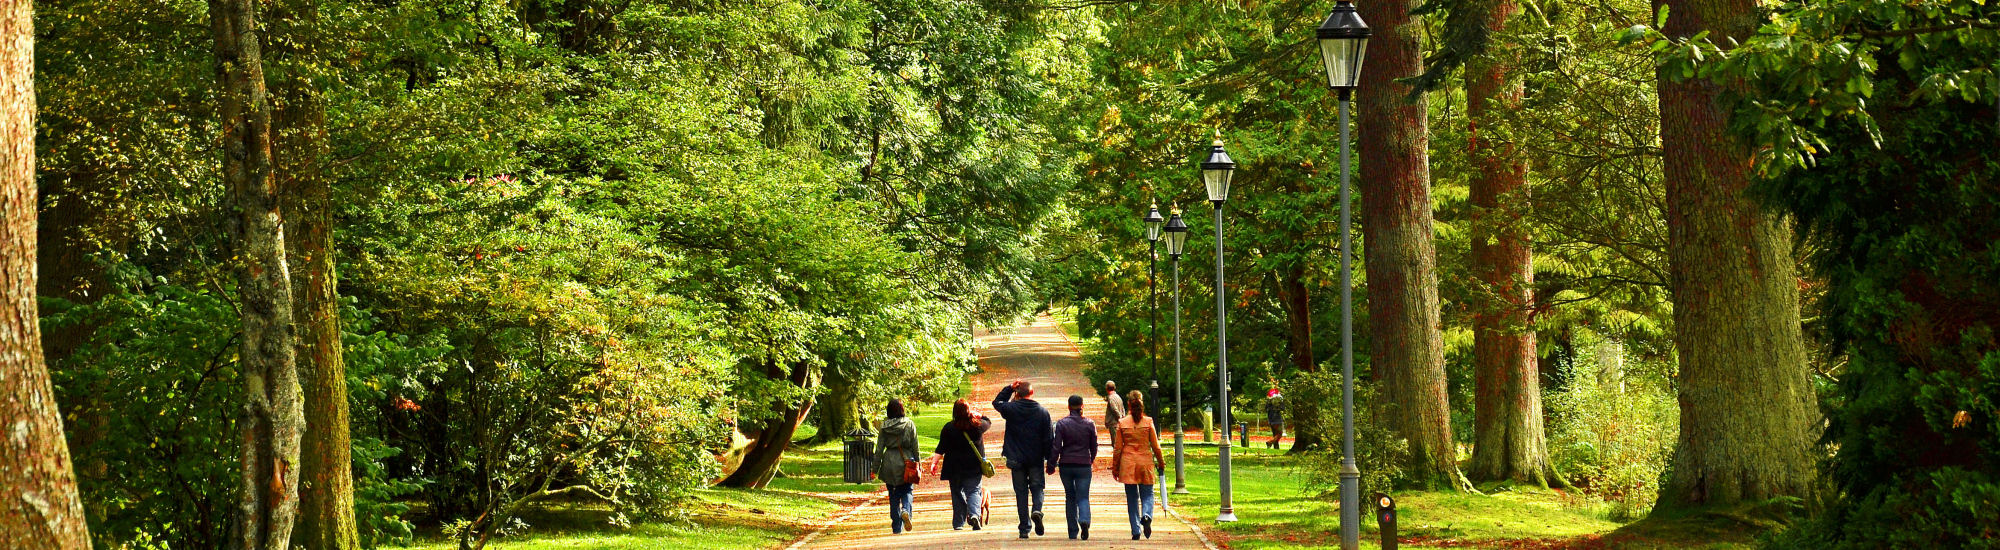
(1747,405)
(760,459)
(273,415)
(1400,258)
(836,408)
(1298,323)
(1508,440)
(40,508)
(326,469)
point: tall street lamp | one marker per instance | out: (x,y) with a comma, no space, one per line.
(1153,223)
(1343,41)
(1176,242)
(1215,173)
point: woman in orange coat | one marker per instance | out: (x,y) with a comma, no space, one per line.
(1136,462)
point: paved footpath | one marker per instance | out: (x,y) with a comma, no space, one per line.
(1041,354)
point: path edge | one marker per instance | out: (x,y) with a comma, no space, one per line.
(801,541)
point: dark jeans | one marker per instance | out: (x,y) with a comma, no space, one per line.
(1138,503)
(1029,481)
(1076,494)
(964,500)
(901,499)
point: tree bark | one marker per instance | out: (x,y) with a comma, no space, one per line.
(1508,440)
(39,507)
(836,408)
(1299,343)
(1401,261)
(1747,405)
(326,496)
(760,459)
(273,415)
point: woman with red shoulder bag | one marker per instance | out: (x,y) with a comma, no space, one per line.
(896,464)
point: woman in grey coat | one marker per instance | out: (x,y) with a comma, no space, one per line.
(896,445)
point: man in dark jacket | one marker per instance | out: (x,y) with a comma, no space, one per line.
(1075,449)
(1026,447)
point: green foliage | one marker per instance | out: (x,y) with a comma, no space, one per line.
(153,456)
(1612,426)
(1899,204)
(1813,69)
(1378,451)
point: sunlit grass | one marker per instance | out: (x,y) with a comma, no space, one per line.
(1275,514)
(717,519)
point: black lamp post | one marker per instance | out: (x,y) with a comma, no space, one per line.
(1343,42)
(1215,174)
(1153,226)
(1177,231)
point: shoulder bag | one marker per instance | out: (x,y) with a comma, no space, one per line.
(985,466)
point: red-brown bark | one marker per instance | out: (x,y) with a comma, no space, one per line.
(1299,345)
(1508,439)
(39,508)
(1401,261)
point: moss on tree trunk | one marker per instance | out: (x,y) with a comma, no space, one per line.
(1747,405)
(326,495)
(273,416)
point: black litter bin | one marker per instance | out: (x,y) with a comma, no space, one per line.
(858,463)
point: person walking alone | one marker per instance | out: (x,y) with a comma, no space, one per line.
(1136,461)
(1114,408)
(1274,412)
(1026,447)
(962,446)
(896,447)
(1075,450)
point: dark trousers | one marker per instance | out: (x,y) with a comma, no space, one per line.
(1029,481)
(964,500)
(902,498)
(1076,494)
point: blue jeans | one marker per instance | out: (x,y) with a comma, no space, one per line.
(1029,481)
(1138,497)
(964,500)
(902,498)
(1076,494)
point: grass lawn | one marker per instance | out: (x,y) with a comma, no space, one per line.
(1274,514)
(719,519)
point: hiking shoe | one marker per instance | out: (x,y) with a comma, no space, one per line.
(1086,530)
(1145,522)
(907,526)
(974,521)
(1038,523)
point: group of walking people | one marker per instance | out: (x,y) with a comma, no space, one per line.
(1033,447)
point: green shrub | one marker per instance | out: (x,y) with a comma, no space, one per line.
(1611,434)
(1378,451)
